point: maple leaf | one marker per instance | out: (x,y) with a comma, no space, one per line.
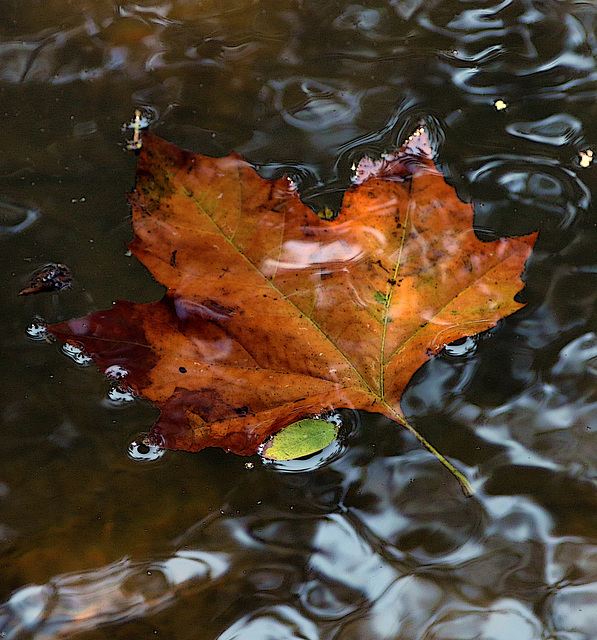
(273,314)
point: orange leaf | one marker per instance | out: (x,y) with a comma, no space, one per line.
(273,314)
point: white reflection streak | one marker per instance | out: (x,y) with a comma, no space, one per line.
(357,296)
(301,254)
(118,592)
(445,336)
(298,254)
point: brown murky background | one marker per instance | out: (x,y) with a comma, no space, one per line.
(100,539)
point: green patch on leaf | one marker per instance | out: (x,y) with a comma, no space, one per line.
(327,214)
(300,439)
(378,296)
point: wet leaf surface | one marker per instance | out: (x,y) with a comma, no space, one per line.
(273,314)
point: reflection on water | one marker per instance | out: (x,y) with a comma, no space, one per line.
(105,538)
(375,544)
(15,218)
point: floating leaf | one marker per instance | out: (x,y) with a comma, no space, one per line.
(273,314)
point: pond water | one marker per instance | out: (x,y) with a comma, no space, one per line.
(104,540)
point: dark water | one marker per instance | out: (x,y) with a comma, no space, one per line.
(379,544)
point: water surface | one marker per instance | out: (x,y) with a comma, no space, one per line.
(105,541)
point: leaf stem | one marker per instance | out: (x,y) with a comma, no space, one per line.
(464,483)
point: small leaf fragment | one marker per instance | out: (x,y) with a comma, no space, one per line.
(300,439)
(326,213)
(51,277)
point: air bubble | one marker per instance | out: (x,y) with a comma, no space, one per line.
(116,371)
(461,348)
(119,395)
(76,354)
(140,451)
(37,330)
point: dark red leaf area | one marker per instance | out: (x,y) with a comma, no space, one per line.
(116,338)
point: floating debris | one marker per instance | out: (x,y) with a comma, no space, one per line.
(586,158)
(500,105)
(51,277)
(327,214)
(137,124)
